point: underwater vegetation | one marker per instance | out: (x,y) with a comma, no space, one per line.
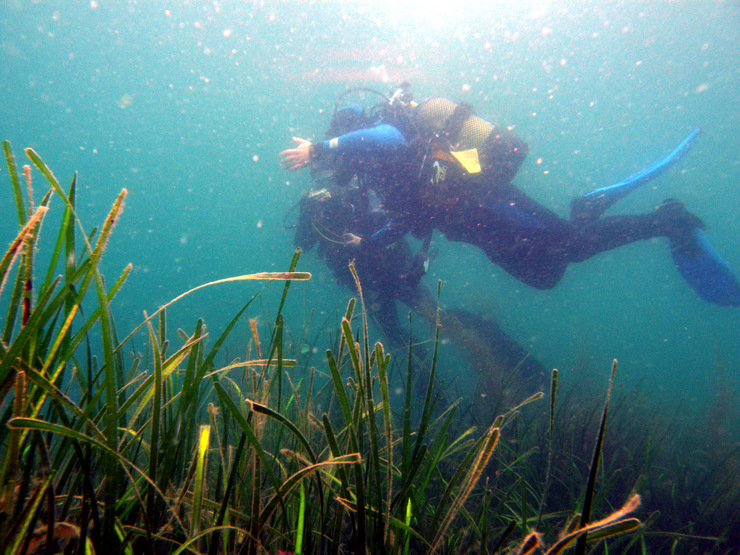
(104,449)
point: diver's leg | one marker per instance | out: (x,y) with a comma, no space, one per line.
(506,371)
(384,313)
(536,259)
(515,232)
(695,258)
(539,258)
(492,350)
(670,219)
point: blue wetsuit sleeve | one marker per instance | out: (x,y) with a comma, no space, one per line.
(392,231)
(380,138)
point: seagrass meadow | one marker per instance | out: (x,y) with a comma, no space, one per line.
(179,449)
(176,378)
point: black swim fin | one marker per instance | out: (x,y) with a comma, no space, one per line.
(704,270)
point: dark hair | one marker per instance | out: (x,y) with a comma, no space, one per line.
(347,119)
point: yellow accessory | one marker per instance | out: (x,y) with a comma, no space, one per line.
(468,159)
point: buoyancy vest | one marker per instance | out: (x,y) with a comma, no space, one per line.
(464,151)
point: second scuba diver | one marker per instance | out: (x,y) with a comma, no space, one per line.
(392,274)
(437,165)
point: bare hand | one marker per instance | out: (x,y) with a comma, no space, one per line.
(296,158)
(351,240)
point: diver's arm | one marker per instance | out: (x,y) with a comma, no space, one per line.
(363,141)
(352,240)
(394,230)
(376,139)
(296,158)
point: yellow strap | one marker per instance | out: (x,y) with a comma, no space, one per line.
(468,159)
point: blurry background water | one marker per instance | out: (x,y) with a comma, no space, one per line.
(187,104)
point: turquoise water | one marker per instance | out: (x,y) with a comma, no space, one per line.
(187,104)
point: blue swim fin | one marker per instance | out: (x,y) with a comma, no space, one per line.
(593,204)
(704,270)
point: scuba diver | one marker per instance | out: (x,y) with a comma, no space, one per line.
(436,164)
(393,274)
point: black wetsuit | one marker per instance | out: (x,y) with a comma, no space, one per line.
(530,242)
(391,274)
(535,245)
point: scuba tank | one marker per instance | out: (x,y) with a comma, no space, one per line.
(451,139)
(476,144)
